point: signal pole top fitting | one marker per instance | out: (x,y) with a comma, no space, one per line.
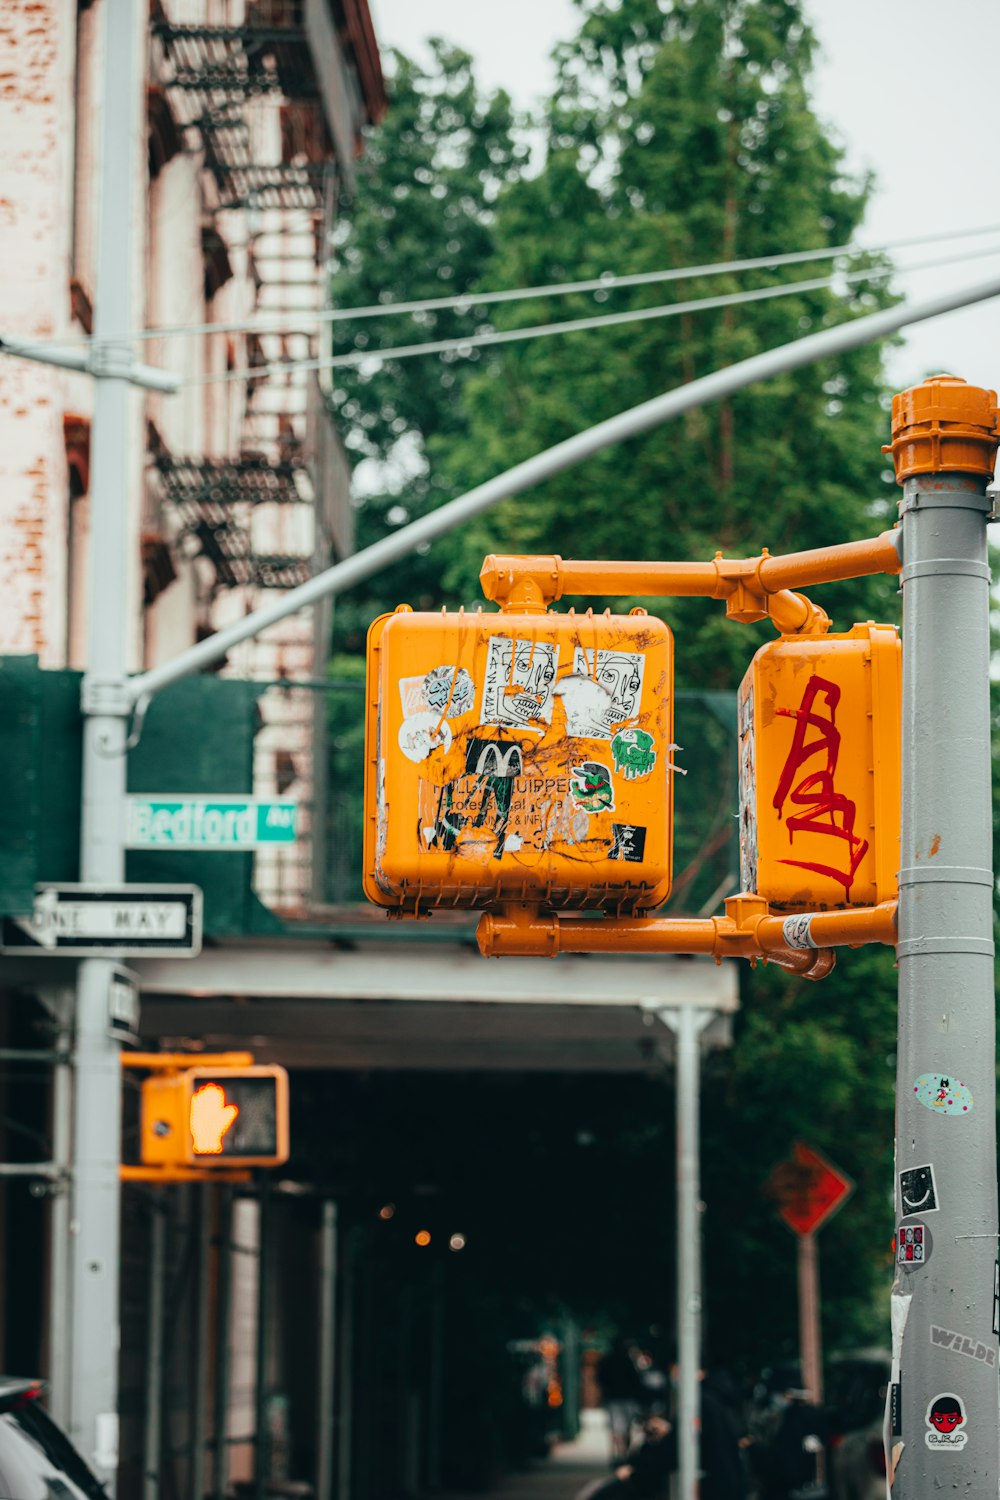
(943,426)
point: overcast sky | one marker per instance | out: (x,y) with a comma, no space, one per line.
(909,97)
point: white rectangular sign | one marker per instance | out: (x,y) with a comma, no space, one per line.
(109,921)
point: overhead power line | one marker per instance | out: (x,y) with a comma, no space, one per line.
(579,325)
(464,301)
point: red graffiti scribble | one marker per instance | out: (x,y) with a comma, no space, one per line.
(828,812)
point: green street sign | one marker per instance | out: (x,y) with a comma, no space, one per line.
(223,824)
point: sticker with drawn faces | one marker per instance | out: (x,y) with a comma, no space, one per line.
(517,690)
(918,1190)
(620,674)
(422,733)
(591,787)
(946,1424)
(943,1094)
(913,1246)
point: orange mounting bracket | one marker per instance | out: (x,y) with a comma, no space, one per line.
(801,942)
(754,588)
(164,1176)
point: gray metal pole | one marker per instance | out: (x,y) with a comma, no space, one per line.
(152,1443)
(59,1220)
(565,455)
(224,1277)
(96,1068)
(88,362)
(327,1350)
(942,1427)
(262,1435)
(199,1394)
(687,1025)
(435,1380)
(345,1413)
(94,1273)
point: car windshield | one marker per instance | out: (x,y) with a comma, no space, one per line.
(37,1462)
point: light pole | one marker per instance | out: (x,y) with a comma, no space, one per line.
(95,1192)
(942,1431)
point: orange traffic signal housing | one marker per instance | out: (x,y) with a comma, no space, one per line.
(819,727)
(215,1117)
(518,757)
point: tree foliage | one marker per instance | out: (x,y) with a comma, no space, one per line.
(680,134)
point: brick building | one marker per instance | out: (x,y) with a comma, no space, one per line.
(254,113)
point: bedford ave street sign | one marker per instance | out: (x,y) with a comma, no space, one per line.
(225,824)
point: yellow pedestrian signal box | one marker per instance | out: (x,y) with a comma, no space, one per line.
(215,1117)
(819,732)
(518,757)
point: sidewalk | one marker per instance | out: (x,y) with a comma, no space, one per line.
(566,1471)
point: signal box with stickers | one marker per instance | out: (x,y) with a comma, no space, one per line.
(819,733)
(518,757)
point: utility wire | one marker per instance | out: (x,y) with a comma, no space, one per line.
(463,301)
(578,325)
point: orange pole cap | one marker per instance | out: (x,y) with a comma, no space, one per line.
(943,426)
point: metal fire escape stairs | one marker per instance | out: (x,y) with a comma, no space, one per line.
(247,98)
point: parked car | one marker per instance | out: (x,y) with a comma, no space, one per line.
(855,1399)
(37,1459)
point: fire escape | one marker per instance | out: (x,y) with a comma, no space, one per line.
(252,99)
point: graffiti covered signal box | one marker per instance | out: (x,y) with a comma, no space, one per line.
(819,747)
(518,757)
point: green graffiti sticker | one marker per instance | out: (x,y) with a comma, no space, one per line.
(633,753)
(591,787)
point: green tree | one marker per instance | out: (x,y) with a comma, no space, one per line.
(680,134)
(421,227)
(679,138)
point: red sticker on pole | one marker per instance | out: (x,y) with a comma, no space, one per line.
(808,1189)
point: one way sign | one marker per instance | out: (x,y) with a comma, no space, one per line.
(108,921)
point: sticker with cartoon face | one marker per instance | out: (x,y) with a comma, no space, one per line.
(946,1427)
(917,1190)
(634,753)
(942,1094)
(620,674)
(517,691)
(422,733)
(591,787)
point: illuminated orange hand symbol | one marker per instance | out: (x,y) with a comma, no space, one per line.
(211,1117)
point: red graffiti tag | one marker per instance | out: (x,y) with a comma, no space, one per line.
(827,812)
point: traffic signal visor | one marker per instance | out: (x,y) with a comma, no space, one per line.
(216,1117)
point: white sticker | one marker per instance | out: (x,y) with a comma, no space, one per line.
(518,686)
(797,931)
(620,674)
(422,733)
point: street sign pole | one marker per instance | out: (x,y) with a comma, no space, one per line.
(687,1024)
(95,1203)
(810,1344)
(941,1424)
